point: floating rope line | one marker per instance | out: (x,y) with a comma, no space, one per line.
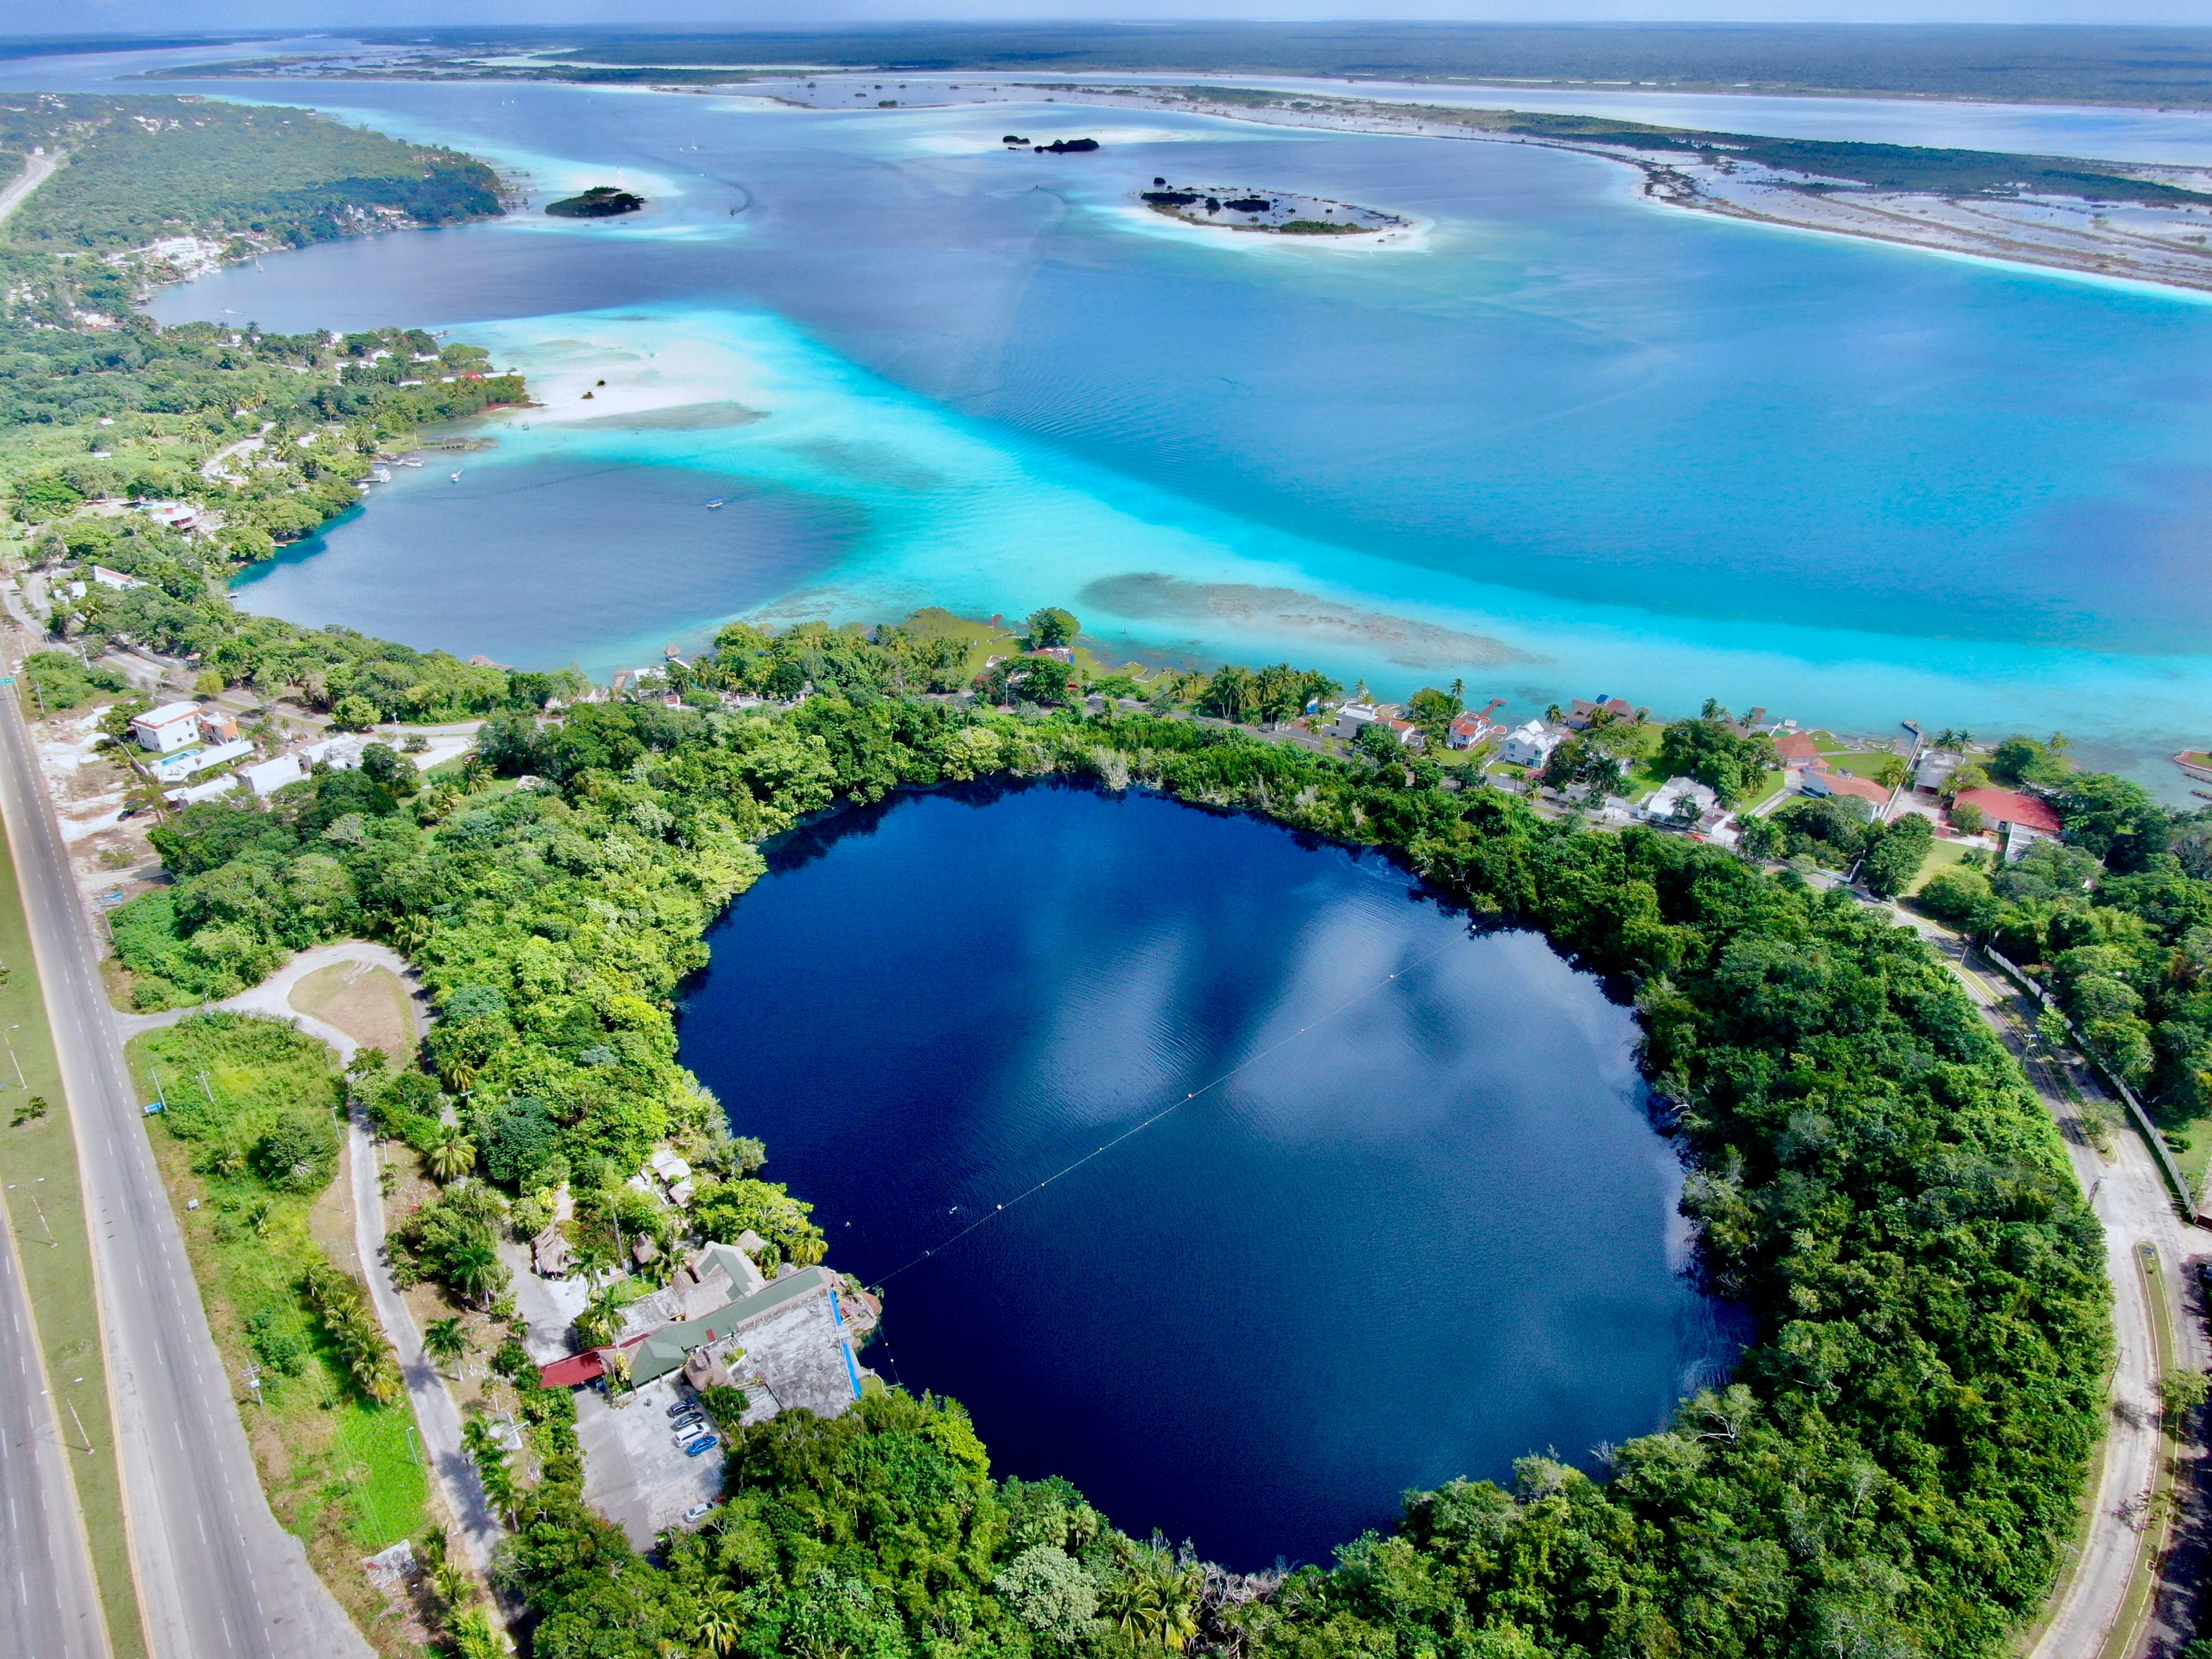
(1166,1111)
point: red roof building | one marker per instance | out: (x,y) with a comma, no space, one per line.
(576,1369)
(1796,749)
(2011,806)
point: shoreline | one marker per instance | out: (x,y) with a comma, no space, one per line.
(1694,186)
(2076,235)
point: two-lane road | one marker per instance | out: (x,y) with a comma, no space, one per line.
(46,1587)
(217,1577)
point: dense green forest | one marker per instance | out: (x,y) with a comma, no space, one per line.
(140,168)
(101,407)
(2116,919)
(1894,1468)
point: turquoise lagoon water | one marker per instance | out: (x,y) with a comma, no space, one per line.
(1558,441)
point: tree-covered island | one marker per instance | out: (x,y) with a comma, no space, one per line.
(599,202)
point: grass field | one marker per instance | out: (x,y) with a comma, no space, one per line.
(1861,764)
(45,1205)
(1769,786)
(369,1004)
(341,1474)
(1943,855)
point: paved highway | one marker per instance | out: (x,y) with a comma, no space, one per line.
(52,1600)
(217,1577)
(2130,1196)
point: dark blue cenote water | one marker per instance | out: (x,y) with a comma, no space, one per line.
(1424,1227)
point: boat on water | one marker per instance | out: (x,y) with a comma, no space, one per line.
(456,477)
(714,505)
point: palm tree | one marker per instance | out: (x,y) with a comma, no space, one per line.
(602,1316)
(453,1155)
(480,1442)
(446,1340)
(451,1583)
(475,1270)
(408,933)
(476,772)
(719,1619)
(500,1490)
(476,1636)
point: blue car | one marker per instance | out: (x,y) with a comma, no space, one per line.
(704,1442)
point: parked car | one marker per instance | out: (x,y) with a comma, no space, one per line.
(683,1406)
(704,1442)
(687,1418)
(697,1512)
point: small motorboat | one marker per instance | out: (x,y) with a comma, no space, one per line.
(456,477)
(715,505)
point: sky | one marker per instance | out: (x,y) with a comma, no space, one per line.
(74,17)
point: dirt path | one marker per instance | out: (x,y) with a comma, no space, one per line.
(436,1416)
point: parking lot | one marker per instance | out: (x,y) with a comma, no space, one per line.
(635,1472)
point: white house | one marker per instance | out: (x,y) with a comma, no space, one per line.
(340,754)
(1666,800)
(115,579)
(271,775)
(199,792)
(1529,745)
(1352,718)
(168,728)
(1472,727)
(178,516)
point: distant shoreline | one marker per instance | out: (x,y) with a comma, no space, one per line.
(2119,222)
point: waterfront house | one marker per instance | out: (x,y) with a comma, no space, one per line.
(2018,820)
(1529,745)
(1664,804)
(788,1341)
(1933,775)
(176,515)
(1798,749)
(1585,711)
(1353,717)
(106,578)
(1471,729)
(168,728)
(1410,736)
(1823,785)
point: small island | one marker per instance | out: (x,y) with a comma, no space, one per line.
(600,202)
(1057,147)
(1234,208)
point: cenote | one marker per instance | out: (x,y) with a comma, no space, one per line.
(1422,1224)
